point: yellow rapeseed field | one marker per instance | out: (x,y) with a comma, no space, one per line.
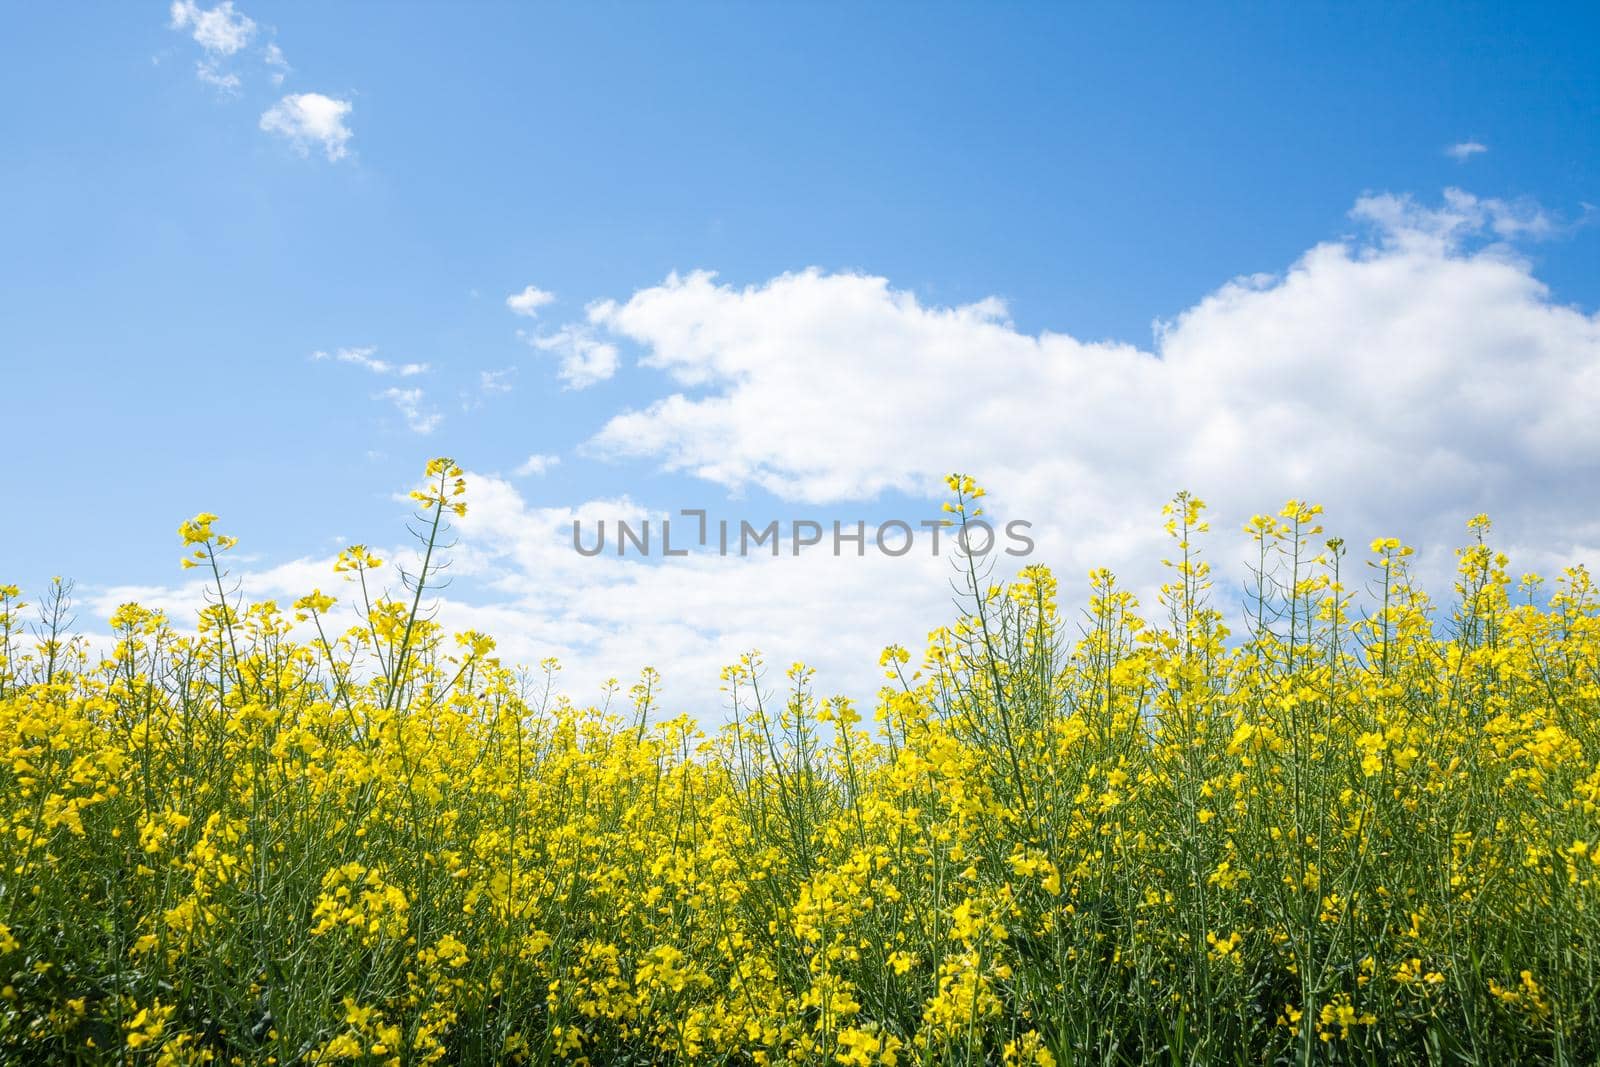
(1362,828)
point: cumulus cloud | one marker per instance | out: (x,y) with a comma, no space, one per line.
(366,358)
(607,616)
(585,359)
(310,120)
(536,465)
(1465,150)
(1407,379)
(221,30)
(529,301)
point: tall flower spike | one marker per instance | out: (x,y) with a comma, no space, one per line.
(446,488)
(198,532)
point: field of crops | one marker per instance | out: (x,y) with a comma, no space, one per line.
(1361,828)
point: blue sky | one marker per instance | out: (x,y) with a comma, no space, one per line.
(172,266)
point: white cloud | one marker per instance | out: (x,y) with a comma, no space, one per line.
(496,381)
(1407,382)
(536,465)
(1465,150)
(364,357)
(585,359)
(529,301)
(221,30)
(310,119)
(689,616)
(408,402)
(274,58)
(223,81)
(1401,220)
